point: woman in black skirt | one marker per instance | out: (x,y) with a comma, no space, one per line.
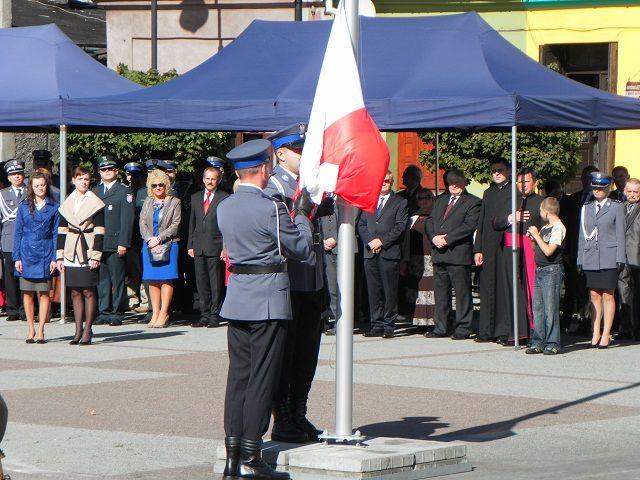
(601,254)
(80,236)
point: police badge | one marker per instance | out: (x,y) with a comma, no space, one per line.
(129,197)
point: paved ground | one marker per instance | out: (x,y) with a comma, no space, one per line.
(147,404)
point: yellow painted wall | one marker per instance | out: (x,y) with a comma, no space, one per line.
(596,25)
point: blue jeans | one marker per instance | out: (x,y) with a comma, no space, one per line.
(546,307)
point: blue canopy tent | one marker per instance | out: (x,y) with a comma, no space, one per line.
(419,73)
(41,69)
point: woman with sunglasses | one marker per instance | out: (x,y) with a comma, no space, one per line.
(159,228)
(601,254)
(80,237)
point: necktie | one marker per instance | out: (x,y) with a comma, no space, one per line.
(629,207)
(452,202)
(207,202)
(380,205)
(597,209)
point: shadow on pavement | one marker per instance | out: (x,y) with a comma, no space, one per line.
(419,428)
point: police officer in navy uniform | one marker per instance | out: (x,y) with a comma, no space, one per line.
(303,337)
(118,228)
(136,176)
(260,236)
(43,162)
(10,198)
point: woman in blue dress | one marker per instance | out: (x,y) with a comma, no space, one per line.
(159,228)
(34,253)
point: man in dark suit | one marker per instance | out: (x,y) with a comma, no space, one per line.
(629,277)
(412,181)
(620,176)
(450,225)
(575,291)
(204,245)
(381,234)
(119,211)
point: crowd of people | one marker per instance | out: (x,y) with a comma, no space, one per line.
(257,253)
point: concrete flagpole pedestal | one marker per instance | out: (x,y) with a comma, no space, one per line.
(376,458)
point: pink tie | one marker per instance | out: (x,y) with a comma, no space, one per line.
(207,202)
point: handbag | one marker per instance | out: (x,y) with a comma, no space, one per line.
(162,256)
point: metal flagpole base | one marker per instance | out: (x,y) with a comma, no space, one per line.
(356,437)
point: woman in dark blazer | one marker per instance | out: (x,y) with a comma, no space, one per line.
(601,254)
(159,228)
(34,250)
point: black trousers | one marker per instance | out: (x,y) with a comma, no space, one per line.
(331,282)
(629,304)
(255,355)
(11,285)
(302,345)
(112,293)
(382,287)
(457,277)
(208,273)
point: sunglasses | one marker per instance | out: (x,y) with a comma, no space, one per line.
(157,185)
(107,169)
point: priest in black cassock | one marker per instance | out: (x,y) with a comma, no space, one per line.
(495,307)
(528,213)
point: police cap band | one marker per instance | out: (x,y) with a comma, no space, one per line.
(133,167)
(291,136)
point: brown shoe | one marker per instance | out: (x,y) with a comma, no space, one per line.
(141,309)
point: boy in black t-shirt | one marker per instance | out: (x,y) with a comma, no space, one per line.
(549,243)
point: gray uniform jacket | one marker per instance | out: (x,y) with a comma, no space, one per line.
(632,234)
(8,209)
(605,249)
(257,230)
(306,276)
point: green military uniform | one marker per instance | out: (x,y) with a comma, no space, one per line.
(119,212)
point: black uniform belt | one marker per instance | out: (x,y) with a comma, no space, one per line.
(258,269)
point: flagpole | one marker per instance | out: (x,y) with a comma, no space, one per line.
(346,274)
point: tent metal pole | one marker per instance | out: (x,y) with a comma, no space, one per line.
(346,275)
(62,167)
(514,233)
(437,164)
(154,35)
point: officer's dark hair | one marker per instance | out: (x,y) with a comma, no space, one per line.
(247,172)
(527,171)
(590,169)
(619,168)
(497,160)
(455,175)
(31,195)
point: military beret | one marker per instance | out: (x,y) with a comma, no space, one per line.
(292,136)
(250,154)
(106,161)
(13,166)
(599,179)
(133,167)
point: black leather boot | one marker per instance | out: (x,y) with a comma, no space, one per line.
(298,409)
(284,430)
(232,445)
(253,466)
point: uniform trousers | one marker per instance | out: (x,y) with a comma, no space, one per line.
(382,287)
(111,289)
(133,274)
(11,285)
(255,356)
(302,345)
(208,273)
(331,277)
(447,276)
(629,304)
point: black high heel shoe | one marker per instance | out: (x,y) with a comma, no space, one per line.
(88,342)
(76,339)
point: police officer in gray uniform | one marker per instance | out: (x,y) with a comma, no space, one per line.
(10,197)
(303,337)
(119,212)
(260,237)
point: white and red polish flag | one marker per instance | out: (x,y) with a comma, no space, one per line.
(344,152)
